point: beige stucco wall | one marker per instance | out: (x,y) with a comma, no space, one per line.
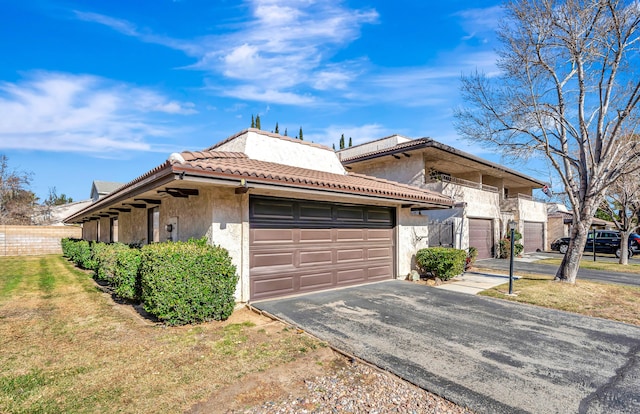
(406,170)
(412,235)
(555,230)
(105,229)
(90,230)
(132,226)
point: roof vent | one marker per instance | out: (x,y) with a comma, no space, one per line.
(175,157)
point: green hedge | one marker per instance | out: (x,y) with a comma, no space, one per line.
(187,282)
(126,282)
(104,256)
(78,251)
(179,283)
(442,262)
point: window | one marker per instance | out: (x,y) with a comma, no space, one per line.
(153,225)
(113,231)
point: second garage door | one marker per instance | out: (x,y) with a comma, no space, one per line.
(481,237)
(300,246)
(533,237)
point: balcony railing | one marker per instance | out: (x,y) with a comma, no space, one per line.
(460,181)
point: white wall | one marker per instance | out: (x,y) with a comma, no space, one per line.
(286,151)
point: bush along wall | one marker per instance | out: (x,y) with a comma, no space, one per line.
(505,245)
(78,251)
(186,282)
(442,262)
(179,283)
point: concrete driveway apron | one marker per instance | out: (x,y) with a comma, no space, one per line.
(489,355)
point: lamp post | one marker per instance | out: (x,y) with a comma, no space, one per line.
(512,228)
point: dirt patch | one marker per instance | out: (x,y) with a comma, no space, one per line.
(273,384)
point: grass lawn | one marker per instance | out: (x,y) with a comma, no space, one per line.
(588,263)
(67,347)
(615,302)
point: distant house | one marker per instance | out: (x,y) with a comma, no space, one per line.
(487,195)
(560,220)
(100,189)
(293,219)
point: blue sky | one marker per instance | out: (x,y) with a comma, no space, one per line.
(107,90)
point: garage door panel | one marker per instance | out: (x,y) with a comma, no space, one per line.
(352,275)
(270,236)
(316,281)
(383,235)
(350,214)
(350,235)
(316,257)
(379,216)
(324,245)
(379,253)
(481,237)
(315,212)
(315,235)
(271,209)
(533,236)
(379,272)
(272,286)
(350,255)
(272,258)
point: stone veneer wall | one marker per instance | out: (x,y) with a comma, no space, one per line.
(34,240)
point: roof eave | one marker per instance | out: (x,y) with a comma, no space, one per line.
(157,177)
(264,182)
(423,143)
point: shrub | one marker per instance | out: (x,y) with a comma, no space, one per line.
(505,245)
(472,254)
(103,257)
(126,280)
(187,282)
(442,262)
(78,251)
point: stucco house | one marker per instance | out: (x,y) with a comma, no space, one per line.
(290,215)
(487,195)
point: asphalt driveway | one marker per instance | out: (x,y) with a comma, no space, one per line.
(489,355)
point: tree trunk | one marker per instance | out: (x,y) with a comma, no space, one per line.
(568,269)
(624,247)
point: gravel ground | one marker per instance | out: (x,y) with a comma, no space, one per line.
(358,388)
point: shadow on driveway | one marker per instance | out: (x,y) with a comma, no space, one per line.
(489,355)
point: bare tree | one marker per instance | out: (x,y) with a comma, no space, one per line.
(568,91)
(16,202)
(622,206)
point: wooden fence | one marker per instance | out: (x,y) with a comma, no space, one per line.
(34,240)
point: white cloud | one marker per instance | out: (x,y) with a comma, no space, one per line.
(480,23)
(82,113)
(285,46)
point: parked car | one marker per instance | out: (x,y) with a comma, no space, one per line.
(606,241)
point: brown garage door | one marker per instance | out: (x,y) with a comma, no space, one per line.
(300,246)
(481,237)
(533,237)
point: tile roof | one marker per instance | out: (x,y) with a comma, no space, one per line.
(269,172)
(237,166)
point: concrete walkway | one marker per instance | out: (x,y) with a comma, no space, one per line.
(473,282)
